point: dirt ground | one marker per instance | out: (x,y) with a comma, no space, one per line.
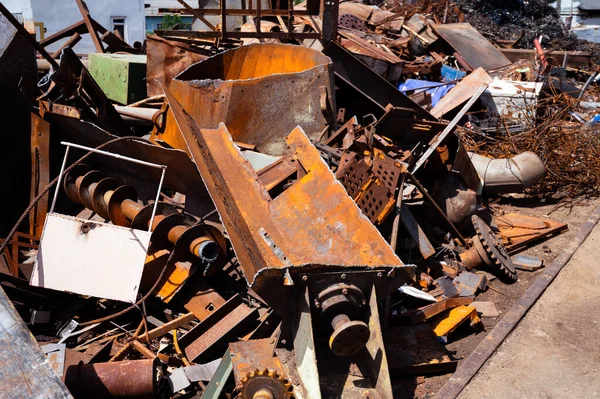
(553,352)
(464,340)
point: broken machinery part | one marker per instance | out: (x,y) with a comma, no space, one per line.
(265,384)
(488,249)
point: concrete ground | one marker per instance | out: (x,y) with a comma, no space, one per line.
(554,352)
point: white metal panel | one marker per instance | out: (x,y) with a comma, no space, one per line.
(90,258)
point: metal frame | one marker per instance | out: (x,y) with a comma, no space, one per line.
(326,10)
(117,156)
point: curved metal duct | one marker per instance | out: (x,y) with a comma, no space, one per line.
(508,175)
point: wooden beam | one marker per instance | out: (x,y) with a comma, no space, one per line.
(85,13)
(197,14)
(69,43)
(77,27)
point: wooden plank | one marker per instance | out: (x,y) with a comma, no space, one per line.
(73,40)
(463,91)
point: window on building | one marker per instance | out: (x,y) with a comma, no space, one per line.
(119,27)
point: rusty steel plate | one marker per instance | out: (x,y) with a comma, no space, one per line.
(388,170)
(311,226)
(167,59)
(476,50)
(353,173)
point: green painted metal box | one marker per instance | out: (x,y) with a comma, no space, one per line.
(121,76)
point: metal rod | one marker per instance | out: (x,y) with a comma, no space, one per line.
(162,176)
(435,205)
(449,128)
(113,155)
(587,84)
(62,170)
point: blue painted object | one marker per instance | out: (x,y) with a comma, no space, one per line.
(437,90)
(450,74)
(594,120)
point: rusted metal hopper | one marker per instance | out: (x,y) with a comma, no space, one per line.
(261,92)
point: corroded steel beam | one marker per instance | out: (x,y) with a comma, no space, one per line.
(312,226)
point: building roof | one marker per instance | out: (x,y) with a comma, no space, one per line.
(589,5)
(160,7)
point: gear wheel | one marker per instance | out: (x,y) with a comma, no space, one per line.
(491,249)
(265,384)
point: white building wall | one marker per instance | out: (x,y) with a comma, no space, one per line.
(58,14)
(582,24)
(21,9)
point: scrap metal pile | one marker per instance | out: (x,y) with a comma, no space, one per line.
(294,218)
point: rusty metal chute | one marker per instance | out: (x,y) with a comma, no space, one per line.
(261,92)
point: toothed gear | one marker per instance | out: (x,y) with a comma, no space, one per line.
(265,384)
(496,255)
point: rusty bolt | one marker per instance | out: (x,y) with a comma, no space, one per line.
(304,278)
(379,274)
(343,276)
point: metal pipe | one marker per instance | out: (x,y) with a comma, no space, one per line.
(176,232)
(62,170)
(130,208)
(205,248)
(129,159)
(508,175)
(540,52)
(128,378)
(146,114)
(162,178)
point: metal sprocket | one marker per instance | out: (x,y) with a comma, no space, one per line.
(265,384)
(496,255)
